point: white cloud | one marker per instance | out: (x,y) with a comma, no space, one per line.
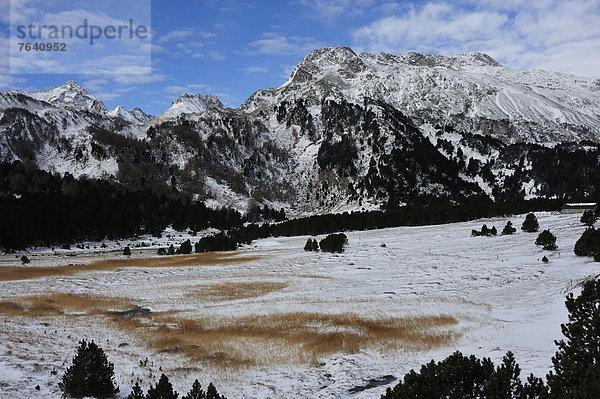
(191,88)
(332,9)
(255,69)
(11,82)
(555,35)
(184,34)
(215,55)
(275,44)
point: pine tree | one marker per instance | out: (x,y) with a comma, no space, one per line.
(91,374)
(547,240)
(580,349)
(162,390)
(196,392)
(136,392)
(171,250)
(588,218)
(590,386)
(185,248)
(534,388)
(530,224)
(504,382)
(589,243)
(508,229)
(127,251)
(211,393)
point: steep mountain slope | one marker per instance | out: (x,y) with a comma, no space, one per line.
(470,91)
(347,131)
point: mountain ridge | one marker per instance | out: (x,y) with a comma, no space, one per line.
(345,132)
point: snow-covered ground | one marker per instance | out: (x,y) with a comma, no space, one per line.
(503,297)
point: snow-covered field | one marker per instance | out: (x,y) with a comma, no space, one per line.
(272,303)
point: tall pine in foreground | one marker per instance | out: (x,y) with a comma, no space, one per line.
(576,363)
(91,374)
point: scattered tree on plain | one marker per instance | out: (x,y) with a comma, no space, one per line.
(589,243)
(530,225)
(508,229)
(311,245)
(485,231)
(334,243)
(127,251)
(547,240)
(588,218)
(185,248)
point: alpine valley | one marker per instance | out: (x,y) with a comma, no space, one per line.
(345,132)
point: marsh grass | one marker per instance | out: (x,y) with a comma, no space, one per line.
(233,290)
(57,304)
(296,337)
(10,273)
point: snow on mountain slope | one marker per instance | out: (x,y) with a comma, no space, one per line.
(190,104)
(135,116)
(345,132)
(472,91)
(71,94)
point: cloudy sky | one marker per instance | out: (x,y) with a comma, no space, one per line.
(233,48)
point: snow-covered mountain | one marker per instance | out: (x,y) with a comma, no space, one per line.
(470,91)
(71,94)
(135,116)
(346,131)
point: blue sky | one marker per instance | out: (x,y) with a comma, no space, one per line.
(233,48)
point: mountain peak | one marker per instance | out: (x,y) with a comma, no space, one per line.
(135,116)
(192,104)
(70,94)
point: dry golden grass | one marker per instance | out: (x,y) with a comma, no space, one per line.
(233,290)
(10,308)
(9,273)
(287,338)
(57,304)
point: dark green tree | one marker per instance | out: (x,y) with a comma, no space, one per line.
(534,388)
(196,392)
(456,377)
(185,248)
(211,393)
(547,240)
(311,245)
(334,243)
(589,243)
(161,251)
(25,260)
(127,251)
(162,390)
(578,356)
(508,229)
(504,382)
(171,250)
(590,386)
(136,392)
(530,225)
(588,218)
(91,374)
